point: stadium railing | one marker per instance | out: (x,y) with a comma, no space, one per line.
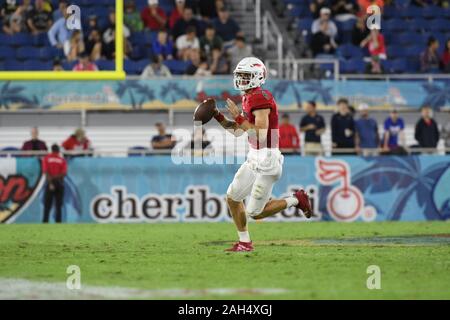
(272,35)
(151,152)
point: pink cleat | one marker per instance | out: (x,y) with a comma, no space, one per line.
(241,247)
(304,203)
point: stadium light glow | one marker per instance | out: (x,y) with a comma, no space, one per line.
(118,74)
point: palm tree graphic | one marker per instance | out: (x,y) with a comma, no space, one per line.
(283,86)
(437,96)
(138,92)
(174,92)
(10,94)
(320,92)
(405,175)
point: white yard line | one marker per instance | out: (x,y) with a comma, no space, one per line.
(12,289)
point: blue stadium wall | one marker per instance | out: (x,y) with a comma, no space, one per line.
(187,92)
(154,189)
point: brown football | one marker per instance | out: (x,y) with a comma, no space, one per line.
(205,111)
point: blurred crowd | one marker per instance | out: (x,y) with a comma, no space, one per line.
(326,37)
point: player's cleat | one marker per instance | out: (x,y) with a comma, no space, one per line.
(241,247)
(304,203)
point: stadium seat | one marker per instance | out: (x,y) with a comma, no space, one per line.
(305,24)
(21,39)
(176,66)
(45,53)
(27,52)
(37,65)
(13,65)
(7,53)
(396,51)
(103,64)
(394,25)
(439,25)
(353,66)
(349,51)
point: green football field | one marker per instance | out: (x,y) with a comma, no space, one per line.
(319,260)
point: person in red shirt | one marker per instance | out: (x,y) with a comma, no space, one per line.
(177,12)
(289,138)
(54,167)
(375,44)
(84,64)
(153,16)
(77,142)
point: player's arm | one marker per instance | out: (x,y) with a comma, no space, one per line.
(261,121)
(228,124)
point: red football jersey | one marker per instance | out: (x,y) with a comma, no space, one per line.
(54,164)
(261,99)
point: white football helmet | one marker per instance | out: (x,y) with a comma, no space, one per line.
(249,73)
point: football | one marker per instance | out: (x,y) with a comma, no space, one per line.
(205,111)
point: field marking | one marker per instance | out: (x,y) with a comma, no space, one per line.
(21,289)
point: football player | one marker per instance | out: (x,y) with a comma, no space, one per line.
(263,165)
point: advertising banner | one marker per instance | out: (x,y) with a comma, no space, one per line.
(188,92)
(154,189)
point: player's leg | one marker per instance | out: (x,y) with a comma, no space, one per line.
(48,201)
(261,207)
(238,190)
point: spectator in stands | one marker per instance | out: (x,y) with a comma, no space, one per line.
(209,8)
(426,132)
(162,140)
(35,144)
(344,10)
(177,12)
(62,8)
(343,129)
(367,139)
(218,62)
(321,42)
(132,18)
(289,138)
(374,66)
(153,16)
(364,4)
(109,38)
(17,21)
(187,43)
(84,64)
(156,69)
(199,66)
(162,46)
(325,14)
(92,23)
(313,125)
(58,34)
(226,27)
(187,20)
(445,59)
(375,44)
(77,141)
(7,9)
(394,127)
(239,51)
(54,167)
(316,5)
(57,66)
(429,59)
(359,32)
(94,45)
(39,20)
(209,41)
(75,46)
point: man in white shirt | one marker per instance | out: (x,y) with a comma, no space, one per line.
(186,43)
(325,15)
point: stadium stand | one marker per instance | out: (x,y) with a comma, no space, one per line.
(406,29)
